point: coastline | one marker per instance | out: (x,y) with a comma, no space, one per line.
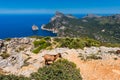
(52,30)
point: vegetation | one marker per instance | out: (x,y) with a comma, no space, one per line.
(8,39)
(60,70)
(77,42)
(5,55)
(90,56)
(105,29)
(72,43)
(41,44)
(13,77)
(93,56)
(111,44)
(37,37)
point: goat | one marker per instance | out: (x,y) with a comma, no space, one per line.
(118,52)
(51,58)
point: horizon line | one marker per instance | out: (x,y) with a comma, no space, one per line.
(48,11)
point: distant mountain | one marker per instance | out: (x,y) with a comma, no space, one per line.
(103,28)
(92,16)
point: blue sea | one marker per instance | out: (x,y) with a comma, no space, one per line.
(20,25)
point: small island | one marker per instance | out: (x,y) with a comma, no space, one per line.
(35,28)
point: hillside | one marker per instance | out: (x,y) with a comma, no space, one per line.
(103,28)
(86,59)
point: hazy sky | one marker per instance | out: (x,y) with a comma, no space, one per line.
(66,6)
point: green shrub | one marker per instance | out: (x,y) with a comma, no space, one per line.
(37,37)
(36,50)
(41,44)
(111,44)
(13,77)
(60,70)
(74,43)
(93,56)
(91,42)
(5,55)
(8,39)
(77,42)
(47,38)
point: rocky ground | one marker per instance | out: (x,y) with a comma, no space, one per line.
(95,63)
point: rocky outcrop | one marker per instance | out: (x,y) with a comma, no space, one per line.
(11,61)
(35,28)
(57,22)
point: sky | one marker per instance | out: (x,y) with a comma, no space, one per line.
(65,6)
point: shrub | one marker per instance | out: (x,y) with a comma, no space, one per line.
(5,55)
(41,44)
(115,58)
(111,44)
(77,42)
(8,39)
(36,50)
(13,77)
(47,38)
(94,56)
(60,70)
(37,37)
(91,42)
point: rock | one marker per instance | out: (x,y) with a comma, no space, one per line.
(25,40)
(3,63)
(35,28)
(1,43)
(59,14)
(15,60)
(84,20)
(1,58)
(4,49)
(92,50)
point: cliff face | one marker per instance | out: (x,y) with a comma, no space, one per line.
(103,28)
(58,22)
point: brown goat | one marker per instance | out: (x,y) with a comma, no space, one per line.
(118,52)
(51,58)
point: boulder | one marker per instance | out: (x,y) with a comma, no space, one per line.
(3,63)
(25,41)
(1,43)
(4,49)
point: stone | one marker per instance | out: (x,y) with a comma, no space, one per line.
(1,43)
(3,63)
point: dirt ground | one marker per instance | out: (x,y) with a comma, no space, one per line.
(97,69)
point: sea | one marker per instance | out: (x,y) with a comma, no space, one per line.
(20,25)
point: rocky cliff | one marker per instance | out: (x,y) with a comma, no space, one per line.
(103,28)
